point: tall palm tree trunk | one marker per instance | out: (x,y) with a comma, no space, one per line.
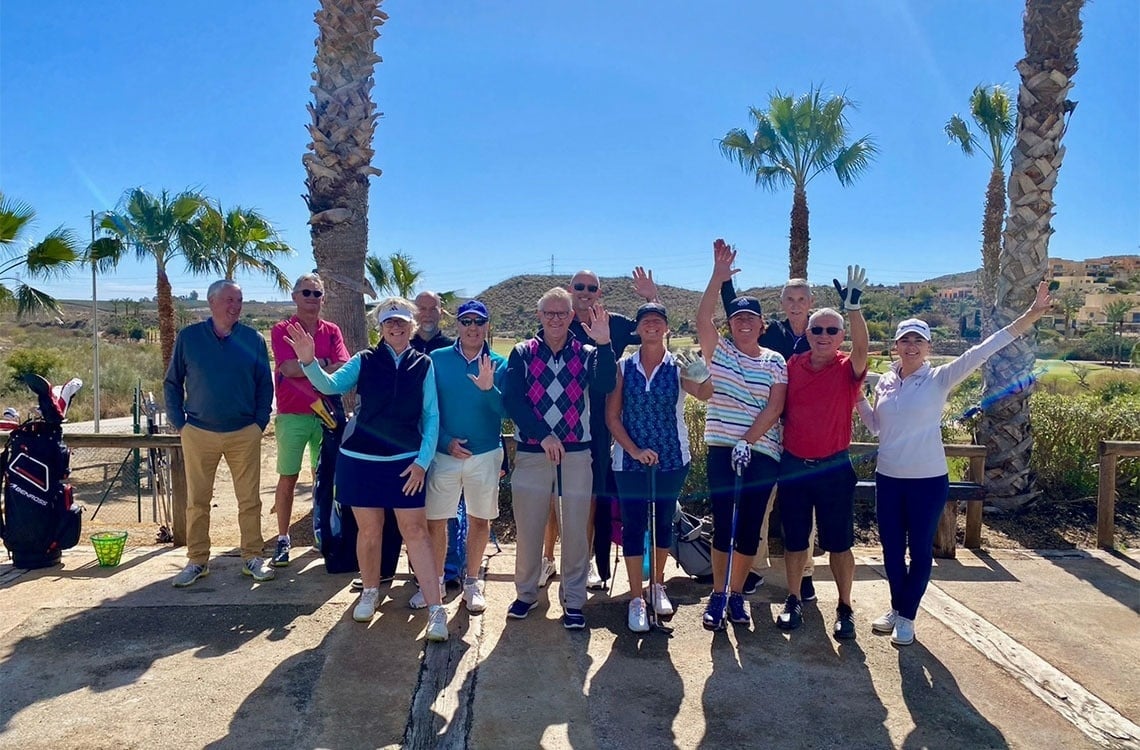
(339,162)
(991,246)
(1052,33)
(798,239)
(165,303)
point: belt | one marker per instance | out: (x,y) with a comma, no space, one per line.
(817,461)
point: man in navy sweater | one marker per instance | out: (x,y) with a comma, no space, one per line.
(219,392)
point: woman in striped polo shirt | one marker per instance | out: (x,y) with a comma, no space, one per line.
(749,384)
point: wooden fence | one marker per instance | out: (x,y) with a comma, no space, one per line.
(1110,451)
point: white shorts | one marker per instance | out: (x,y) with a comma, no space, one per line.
(476,478)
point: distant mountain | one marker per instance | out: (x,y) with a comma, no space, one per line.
(969,278)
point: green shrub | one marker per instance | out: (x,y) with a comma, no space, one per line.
(1066,433)
(35,361)
(696,488)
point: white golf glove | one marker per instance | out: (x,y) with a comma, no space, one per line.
(741,455)
(849,295)
(693,367)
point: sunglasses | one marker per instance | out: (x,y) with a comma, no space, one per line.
(584,287)
(312,293)
(556,314)
(472,322)
(831,330)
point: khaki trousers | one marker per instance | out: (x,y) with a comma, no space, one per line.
(202,450)
(760,563)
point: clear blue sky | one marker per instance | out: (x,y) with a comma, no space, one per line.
(517,131)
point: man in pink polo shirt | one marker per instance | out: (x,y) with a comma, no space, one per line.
(816,477)
(296,424)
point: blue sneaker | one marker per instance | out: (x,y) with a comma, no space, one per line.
(520,609)
(573,619)
(281,554)
(714,613)
(738,609)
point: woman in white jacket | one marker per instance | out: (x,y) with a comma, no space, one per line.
(911,481)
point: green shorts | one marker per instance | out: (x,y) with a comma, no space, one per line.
(294,432)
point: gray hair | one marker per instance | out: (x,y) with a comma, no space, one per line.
(554,293)
(313,277)
(217,287)
(827,312)
(796,284)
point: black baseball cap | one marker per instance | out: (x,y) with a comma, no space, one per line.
(651,308)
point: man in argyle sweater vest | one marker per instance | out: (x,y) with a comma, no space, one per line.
(549,381)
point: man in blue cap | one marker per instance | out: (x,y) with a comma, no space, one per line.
(469,378)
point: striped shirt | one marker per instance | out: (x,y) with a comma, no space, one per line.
(740,392)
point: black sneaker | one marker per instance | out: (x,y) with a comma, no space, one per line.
(738,610)
(807,589)
(792,616)
(281,555)
(714,613)
(844,622)
(752,582)
(520,609)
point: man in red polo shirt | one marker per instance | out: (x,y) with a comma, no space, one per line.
(824,384)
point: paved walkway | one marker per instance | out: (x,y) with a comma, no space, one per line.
(1014,650)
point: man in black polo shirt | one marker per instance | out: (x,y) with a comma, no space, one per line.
(788,337)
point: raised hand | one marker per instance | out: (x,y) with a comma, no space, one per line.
(692,367)
(298,338)
(849,295)
(485,380)
(599,326)
(1043,301)
(724,256)
(643,284)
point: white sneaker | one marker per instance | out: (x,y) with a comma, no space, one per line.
(548,571)
(638,621)
(593,580)
(903,634)
(366,607)
(437,624)
(886,623)
(661,603)
(418,600)
(473,598)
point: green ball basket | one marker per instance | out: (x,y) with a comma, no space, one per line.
(109,547)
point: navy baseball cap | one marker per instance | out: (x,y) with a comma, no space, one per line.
(651,308)
(744,304)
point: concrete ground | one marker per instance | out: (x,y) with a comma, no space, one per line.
(1014,649)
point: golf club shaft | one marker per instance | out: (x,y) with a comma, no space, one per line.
(737,486)
(652,541)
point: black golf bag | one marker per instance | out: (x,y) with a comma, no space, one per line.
(334,526)
(38,519)
(692,545)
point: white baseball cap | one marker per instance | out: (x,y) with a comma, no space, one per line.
(913,325)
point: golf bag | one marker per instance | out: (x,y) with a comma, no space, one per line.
(692,545)
(455,564)
(38,519)
(334,526)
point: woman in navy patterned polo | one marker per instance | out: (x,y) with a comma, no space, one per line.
(645,413)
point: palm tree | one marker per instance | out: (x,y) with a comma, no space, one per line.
(791,143)
(399,274)
(339,160)
(54,255)
(159,227)
(240,239)
(1052,32)
(992,112)
(1114,314)
(1070,301)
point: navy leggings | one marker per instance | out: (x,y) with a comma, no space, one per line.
(633,492)
(758,480)
(908,511)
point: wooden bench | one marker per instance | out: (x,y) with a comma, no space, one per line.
(946,538)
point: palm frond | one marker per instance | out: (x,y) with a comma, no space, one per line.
(381,276)
(32,300)
(54,255)
(958,131)
(15,217)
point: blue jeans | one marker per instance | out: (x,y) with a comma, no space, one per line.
(908,511)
